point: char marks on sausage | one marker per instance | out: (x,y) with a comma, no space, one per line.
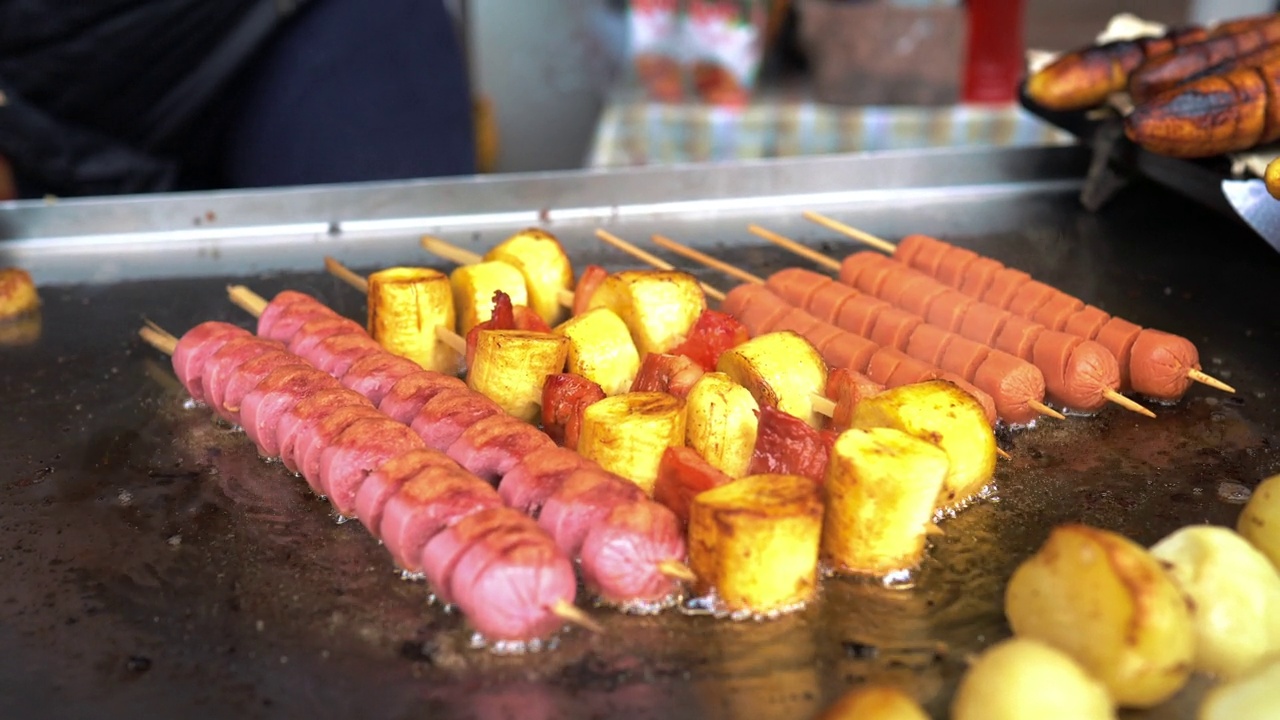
(361,448)
(621,554)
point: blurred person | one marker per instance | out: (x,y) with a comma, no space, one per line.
(133,96)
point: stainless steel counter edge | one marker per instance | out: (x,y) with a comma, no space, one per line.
(108,239)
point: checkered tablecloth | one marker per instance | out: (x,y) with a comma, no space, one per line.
(646,133)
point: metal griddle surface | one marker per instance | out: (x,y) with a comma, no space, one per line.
(153,564)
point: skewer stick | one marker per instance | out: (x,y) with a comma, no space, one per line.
(1126,403)
(795,247)
(463,256)
(575,615)
(676,570)
(651,259)
(881,244)
(158,338)
(247,300)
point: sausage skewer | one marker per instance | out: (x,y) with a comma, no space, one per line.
(1021,403)
(1165,363)
(501,560)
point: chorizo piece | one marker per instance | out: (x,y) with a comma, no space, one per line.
(848,388)
(1159,363)
(564,397)
(682,475)
(787,445)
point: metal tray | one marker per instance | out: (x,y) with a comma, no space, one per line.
(154,565)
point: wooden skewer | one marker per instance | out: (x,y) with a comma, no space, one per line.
(651,259)
(881,244)
(463,256)
(456,342)
(158,338)
(677,570)
(1109,394)
(575,615)
(745,276)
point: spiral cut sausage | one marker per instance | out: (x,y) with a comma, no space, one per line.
(1225,48)
(521,460)
(1013,384)
(762,310)
(1152,363)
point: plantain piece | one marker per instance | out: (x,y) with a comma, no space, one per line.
(601,349)
(881,488)
(1223,50)
(1272,178)
(547,272)
(658,306)
(1234,595)
(1086,77)
(18,294)
(874,702)
(781,369)
(722,418)
(1256,695)
(754,543)
(940,413)
(511,367)
(474,286)
(406,304)
(1105,601)
(1023,678)
(1259,522)
(627,434)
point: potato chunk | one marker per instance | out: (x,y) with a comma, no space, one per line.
(754,542)
(406,305)
(1106,602)
(626,434)
(1256,695)
(874,702)
(658,306)
(945,415)
(547,272)
(721,422)
(881,487)
(1234,592)
(601,349)
(511,367)
(780,369)
(1022,678)
(474,286)
(18,294)
(1259,522)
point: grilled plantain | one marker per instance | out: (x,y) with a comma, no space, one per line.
(1259,522)
(658,306)
(627,434)
(721,422)
(754,542)
(780,369)
(17,293)
(547,272)
(405,306)
(1023,678)
(874,702)
(511,367)
(601,349)
(474,286)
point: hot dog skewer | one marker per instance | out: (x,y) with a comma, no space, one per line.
(205,350)
(1152,363)
(1081,374)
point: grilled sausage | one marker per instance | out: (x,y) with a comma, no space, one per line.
(194,348)
(406,397)
(539,474)
(313,437)
(289,311)
(264,405)
(249,375)
(385,482)
(355,452)
(622,553)
(312,332)
(564,397)
(435,498)
(1211,55)
(444,418)
(374,375)
(310,409)
(583,499)
(1084,78)
(219,366)
(493,445)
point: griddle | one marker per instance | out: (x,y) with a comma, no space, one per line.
(154,566)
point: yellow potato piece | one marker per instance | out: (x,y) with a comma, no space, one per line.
(474,286)
(601,349)
(943,414)
(1106,602)
(17,293)
(511,366)
(406,305)
(627,434)
(874,702)
(1025,679)
(1234,592)
(754,542)
(1259,522)
(781,369)
(1256,695)
(658,306)
(721,422)
(547,272)
(881,488)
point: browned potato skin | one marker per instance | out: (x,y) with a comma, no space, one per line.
(1213,115)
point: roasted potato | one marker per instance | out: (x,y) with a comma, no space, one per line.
(658,306)
(781,369)
(626,434)
(406,304)
(943,414)
(1021,678)
(1234,592)
(754,543)
(511,366)
(1255,695)
(474,286)
(721,421)
(874,702)
(17,293)
(1259,522)
(547,272)
(881,488)
(601,349)
(1106,602)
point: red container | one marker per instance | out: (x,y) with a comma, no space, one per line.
(994,58)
